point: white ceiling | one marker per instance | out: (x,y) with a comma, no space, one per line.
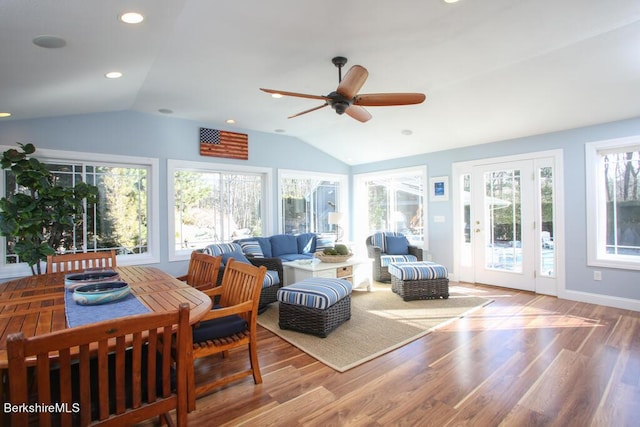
(491,69)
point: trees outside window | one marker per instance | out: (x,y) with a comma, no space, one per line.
(613,194)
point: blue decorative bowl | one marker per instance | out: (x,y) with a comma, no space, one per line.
(101,293)
(75,280)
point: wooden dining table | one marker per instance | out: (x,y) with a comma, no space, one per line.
(35,305)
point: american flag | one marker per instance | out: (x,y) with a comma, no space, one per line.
(219,143)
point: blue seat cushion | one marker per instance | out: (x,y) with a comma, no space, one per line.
(270,279)
(295,256)
(397,245)
(385,260)
(218,328)
(315,292)
(421,270)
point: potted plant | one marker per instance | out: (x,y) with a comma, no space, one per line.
(41,212)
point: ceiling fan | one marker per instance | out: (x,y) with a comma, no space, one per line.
(345,98)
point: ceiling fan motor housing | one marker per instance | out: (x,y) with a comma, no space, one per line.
(338,102)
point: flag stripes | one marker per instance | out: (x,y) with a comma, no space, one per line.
(219,143)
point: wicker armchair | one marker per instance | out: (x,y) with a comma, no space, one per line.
(378,249)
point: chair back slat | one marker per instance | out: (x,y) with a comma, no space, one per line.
(71,263)
(241,283)
(98,368)
(203,270)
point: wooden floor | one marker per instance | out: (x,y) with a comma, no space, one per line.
(523,360)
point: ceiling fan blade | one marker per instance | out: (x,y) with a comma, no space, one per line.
(353,81)
(358,113)
(299,95)
(307,111)
(384,99)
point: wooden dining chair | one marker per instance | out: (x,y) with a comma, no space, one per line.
(203,271)
(116,372)
(71,263)
(230,324)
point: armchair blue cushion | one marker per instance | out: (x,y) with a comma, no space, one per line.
(397,245)
(306,243)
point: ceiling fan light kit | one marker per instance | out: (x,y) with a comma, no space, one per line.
(345,98)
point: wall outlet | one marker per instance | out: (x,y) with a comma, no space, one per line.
(597,275)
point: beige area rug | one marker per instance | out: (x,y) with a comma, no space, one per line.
(380,322)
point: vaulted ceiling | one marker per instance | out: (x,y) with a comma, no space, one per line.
(491,69)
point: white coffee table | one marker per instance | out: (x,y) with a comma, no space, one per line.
(355,270)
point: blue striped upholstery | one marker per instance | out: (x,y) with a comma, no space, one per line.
(386,260)
(316,292)
(379,239)
(270,279)
(218,249)
(252,248)
(422,270)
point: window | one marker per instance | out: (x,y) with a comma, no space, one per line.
(123,219)
(393,201)
(307,199)
(613,203)
(211,203)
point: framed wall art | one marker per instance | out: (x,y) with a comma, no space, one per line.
(439,188)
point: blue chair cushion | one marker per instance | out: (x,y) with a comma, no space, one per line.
(306,243)
(315,292)
(397,245)
(295,257)
(386,260)
(270,279)
(265,245)
(421,270)
(218,328)
(237,256)
(379,239)
(282,244)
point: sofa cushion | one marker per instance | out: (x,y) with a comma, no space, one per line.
(324,242)
(251,248)
(265,245)
(237,256)
(295,257)
(397,245)
(385,260)
(306,243)
(282,244)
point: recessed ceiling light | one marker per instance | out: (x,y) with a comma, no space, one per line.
(49,42)
(113,75)
(131,18)
(165,111)
(3,115)
(407,132)
(451,1)
(276,95)
(230,121)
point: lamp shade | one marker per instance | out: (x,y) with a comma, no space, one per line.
(335,218)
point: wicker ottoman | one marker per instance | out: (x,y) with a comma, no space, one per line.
(315,306)
(419,280)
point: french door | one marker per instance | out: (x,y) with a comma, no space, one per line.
(507,224)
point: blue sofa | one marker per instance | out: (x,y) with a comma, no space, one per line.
(286,247)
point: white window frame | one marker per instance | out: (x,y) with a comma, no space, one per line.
(343,200)
(208,167)
(596,205)
(361,195)
(152,256)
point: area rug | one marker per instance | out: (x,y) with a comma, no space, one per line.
(380,322)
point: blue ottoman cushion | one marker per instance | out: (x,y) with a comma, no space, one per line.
(420,270)
(320,293)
